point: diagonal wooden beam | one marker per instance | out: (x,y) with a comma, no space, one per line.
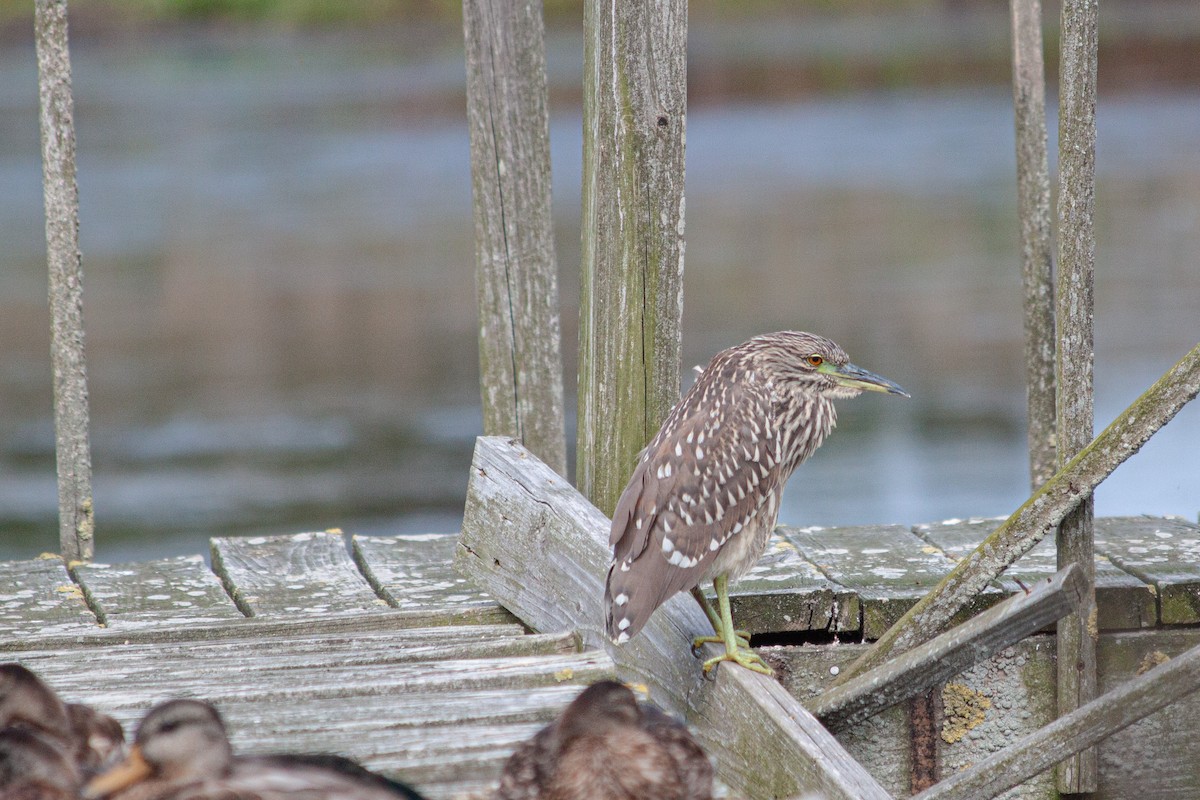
(1041,512)
(540,548)
(934,662)
(1082,728)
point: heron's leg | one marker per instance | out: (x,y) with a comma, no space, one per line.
(741,655)
(715,618)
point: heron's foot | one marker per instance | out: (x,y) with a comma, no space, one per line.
(740,638)
(747,658)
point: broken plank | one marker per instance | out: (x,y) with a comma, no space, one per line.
(887,566)
(537,546)
(168,591)
(1162,551)
(924,667)
(1086,726)
(37,597)
(416,571)
(784,593)
(306,573)
(1123,601)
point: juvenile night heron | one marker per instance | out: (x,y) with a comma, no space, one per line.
(704,496)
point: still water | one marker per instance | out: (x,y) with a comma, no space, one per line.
(280,300)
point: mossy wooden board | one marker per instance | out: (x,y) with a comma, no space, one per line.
(164,592)
(887,566)
(1123,601)
(1162,551)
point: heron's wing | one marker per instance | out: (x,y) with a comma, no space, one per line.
(698,484)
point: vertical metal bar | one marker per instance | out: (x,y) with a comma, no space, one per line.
(1074,303)
(1037,263)
(75,514)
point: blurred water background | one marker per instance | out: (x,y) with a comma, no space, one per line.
(279,293)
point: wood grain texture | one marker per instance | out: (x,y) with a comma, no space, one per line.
(72,448)
(886,566)
(1073,315)
(520,349)
(1162,551)
(441,707)
(916,671)
(1123,601)
(163,592)
(305,573)
(37,597)
(415,571)
(1037,246)
(1088,725)
(540,548)
(1026,526)
(784,593)
(631,287)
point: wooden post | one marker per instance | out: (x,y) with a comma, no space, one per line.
(1037,264)
(1076,261)
(1039,514)
(76,525)
(631,293)
(520,350)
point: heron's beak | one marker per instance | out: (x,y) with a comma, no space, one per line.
(858,378)
(133,769)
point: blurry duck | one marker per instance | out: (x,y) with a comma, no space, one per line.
(92,740)
(182,751)
(607,746)
(33,768)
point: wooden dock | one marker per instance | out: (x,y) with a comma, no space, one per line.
(373,647)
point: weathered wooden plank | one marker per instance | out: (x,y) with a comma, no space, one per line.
(1075,355)
(73,455)
(886,566)
(881,744)
(306,573)
(631,281)
(1044,509)
(37,597)
(539,547)
(1123,601)
(1086,726)
(784,593)
(1162,551)
(252,678)
(1156,757)
(1037,260)
(520,358)
(918,670)
(1005,696)
(384,619)
(416,571)
(165,662)
(164,592)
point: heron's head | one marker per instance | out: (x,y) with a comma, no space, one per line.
(816,366)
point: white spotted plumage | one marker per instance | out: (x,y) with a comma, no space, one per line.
(706,490)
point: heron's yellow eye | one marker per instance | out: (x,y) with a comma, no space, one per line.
(815,360)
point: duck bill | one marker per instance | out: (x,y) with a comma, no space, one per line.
(855,377)
(133,769)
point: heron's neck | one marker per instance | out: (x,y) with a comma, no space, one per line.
(805,422)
